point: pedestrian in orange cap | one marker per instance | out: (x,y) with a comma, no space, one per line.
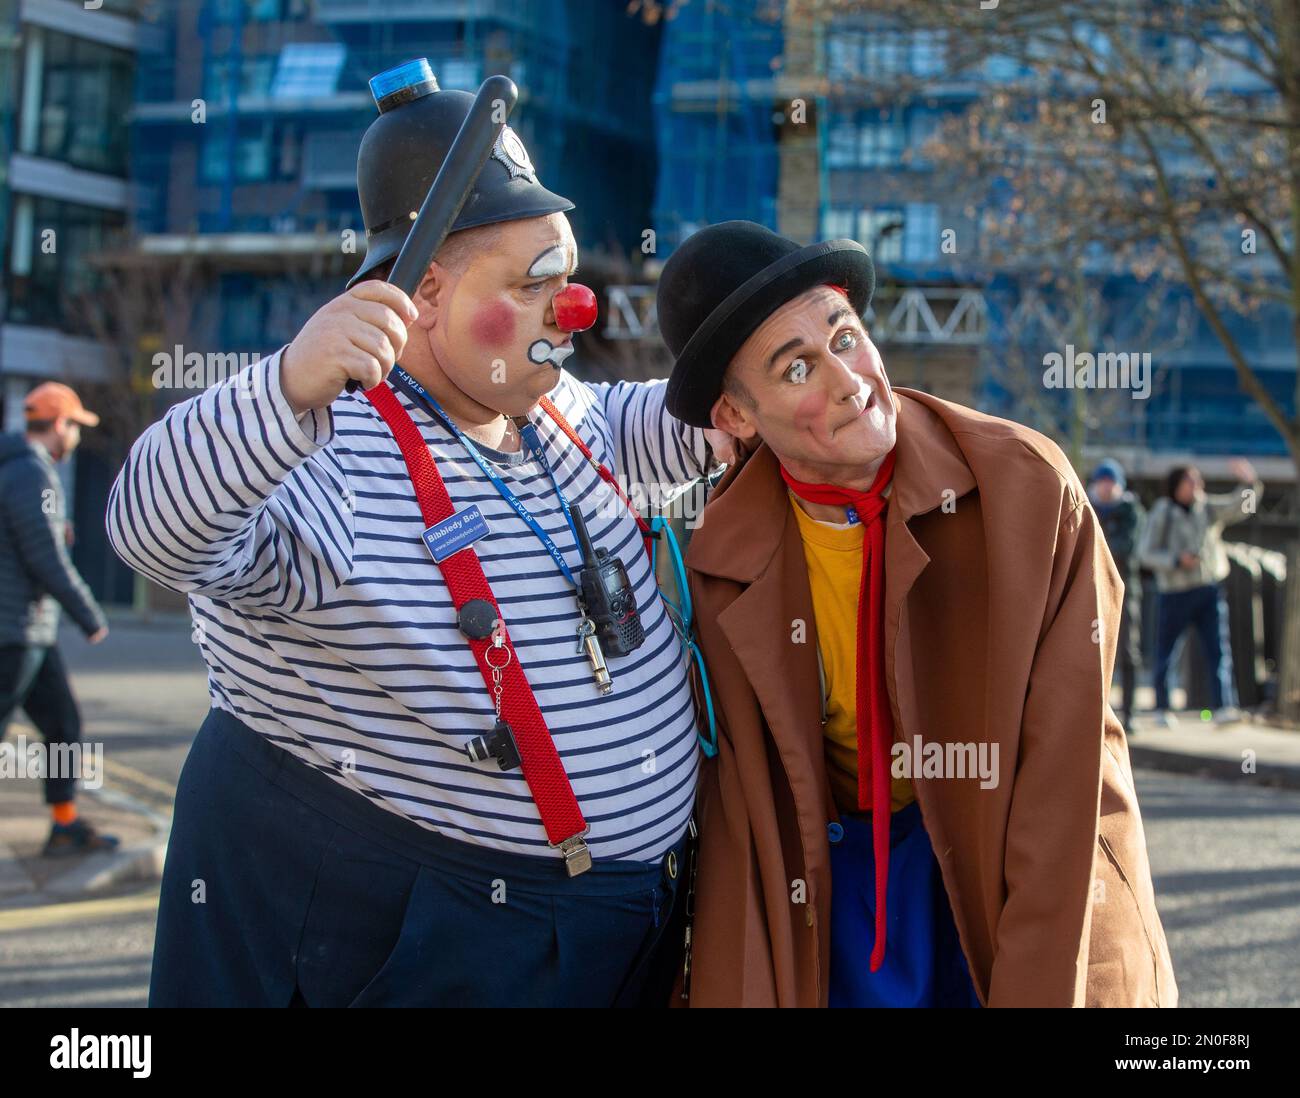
(52,400)
(37,576)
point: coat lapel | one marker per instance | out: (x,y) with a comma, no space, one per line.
(753,538)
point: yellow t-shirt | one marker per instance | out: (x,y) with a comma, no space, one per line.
(834,558)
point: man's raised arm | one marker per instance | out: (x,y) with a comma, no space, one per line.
(651,446)
(222,496)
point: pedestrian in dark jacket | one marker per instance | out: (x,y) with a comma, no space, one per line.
(37,577)
(1121,515)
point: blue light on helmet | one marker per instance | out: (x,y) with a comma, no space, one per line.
(402,83)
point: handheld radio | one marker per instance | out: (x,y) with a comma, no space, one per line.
(607,596)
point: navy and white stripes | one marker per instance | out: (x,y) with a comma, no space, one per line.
(326,625)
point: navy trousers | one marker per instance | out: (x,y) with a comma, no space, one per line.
(924,965)
(1206,609)
(283,888)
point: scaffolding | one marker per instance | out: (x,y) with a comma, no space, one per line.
(715,101)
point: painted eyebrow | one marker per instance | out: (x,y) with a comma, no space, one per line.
(572,266)
(831,321)
(782,350)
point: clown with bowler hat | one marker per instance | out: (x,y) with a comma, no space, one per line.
(921,796)
(451,755)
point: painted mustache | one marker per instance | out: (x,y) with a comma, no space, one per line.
(544,351)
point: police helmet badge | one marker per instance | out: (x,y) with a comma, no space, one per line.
(510,152)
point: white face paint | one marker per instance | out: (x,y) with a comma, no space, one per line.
(552,263)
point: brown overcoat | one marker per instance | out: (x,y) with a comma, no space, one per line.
(1002,607)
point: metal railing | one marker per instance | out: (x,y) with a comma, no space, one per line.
(932,314)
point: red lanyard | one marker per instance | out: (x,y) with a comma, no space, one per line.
(543,771)
(548,406)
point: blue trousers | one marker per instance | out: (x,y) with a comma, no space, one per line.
(1206,609)
(924,965)
(283,888)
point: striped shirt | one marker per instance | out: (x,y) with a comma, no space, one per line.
(326,625)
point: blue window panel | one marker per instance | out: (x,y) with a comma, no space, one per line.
(920,232)
(252,157)
(928,56)
(866,139)
(842,145)
(1000,67)
(880,231)
(922,126)
(462,75)
(843,54)
(308,70)
(838,224)
(257,11)
(881,140)
(857,53)
(255,74)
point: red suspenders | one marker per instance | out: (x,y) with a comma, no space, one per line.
(463,573)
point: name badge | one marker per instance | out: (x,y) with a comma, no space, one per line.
(451,535)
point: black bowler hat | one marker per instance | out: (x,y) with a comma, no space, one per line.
(405,146)
(723,282)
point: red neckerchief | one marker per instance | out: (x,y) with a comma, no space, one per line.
(875,723)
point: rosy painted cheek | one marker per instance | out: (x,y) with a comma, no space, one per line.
(810,412)
(493,325)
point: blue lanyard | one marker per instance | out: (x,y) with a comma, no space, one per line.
(529,434)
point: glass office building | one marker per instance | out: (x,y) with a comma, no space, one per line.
(264,186)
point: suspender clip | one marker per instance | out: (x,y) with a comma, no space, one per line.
(577,858)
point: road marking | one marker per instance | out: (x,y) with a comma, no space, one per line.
(29,918)
(140,778)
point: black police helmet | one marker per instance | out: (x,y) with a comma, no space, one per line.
(405,146)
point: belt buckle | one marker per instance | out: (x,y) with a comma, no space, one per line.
(577,858)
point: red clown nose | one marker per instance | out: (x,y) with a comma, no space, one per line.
(575,308)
